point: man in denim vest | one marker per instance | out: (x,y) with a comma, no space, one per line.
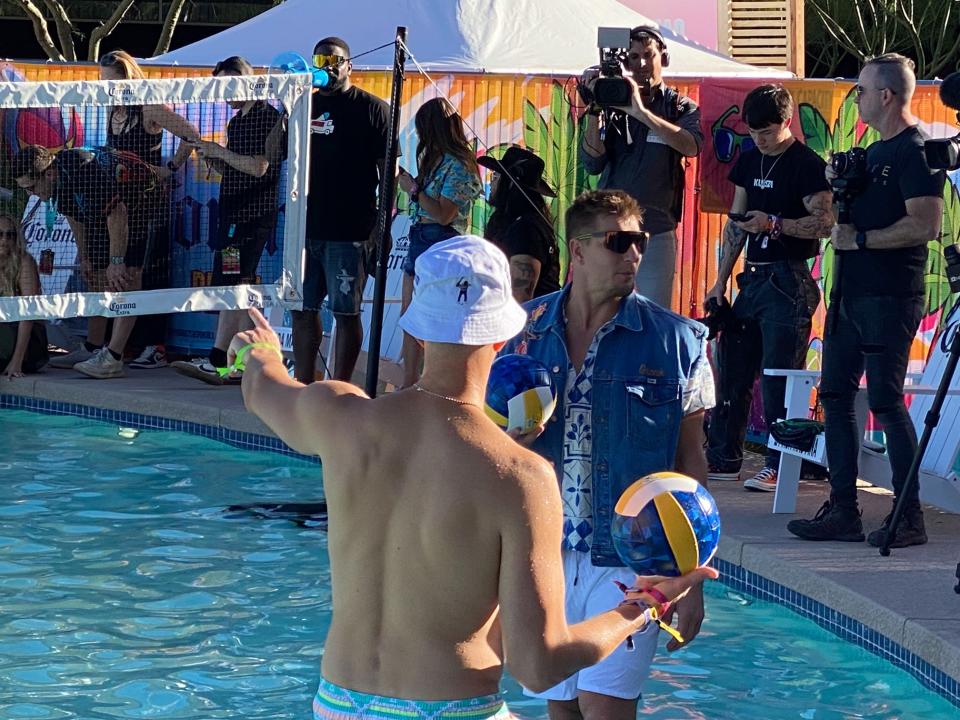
(633,381)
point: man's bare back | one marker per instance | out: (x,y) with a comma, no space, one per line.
(416,499)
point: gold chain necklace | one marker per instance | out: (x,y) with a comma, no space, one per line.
(419,388)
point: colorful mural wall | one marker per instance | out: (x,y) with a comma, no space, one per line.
(543,113)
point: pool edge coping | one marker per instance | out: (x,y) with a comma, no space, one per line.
(745,566)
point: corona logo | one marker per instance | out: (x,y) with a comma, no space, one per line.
(122,308)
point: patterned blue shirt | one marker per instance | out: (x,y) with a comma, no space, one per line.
(576,485)
(455,182)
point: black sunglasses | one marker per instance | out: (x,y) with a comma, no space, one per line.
(619,241)
(8,233)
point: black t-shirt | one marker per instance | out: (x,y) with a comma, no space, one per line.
(244,197)
(348,140)
(777,185)
(532,236)
(898,171)
(86,190)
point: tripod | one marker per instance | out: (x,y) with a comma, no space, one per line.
(930,422)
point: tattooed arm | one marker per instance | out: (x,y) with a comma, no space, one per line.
(525,272)
(734,238)
(818,223)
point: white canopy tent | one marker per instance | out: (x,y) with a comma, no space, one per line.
(529,37)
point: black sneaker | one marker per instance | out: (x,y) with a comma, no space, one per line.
(202,369)
(832,522)
(910,531)
(716,472)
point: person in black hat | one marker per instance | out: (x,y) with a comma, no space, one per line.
(642,149)
(521,225)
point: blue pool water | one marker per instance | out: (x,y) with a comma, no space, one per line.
(126,593)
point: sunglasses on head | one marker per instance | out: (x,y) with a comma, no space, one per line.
(322,60)
(619,241)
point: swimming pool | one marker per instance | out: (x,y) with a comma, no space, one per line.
(125,592)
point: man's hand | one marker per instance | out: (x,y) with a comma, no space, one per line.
(829,173)
(843,237)
(715,293)
(758,222)
(587,80)
(686,595)
(260,333)
(636,108)
(117,278)
(689,612)
(527,438)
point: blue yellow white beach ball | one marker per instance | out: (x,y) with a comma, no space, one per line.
(520,393)
(665,524)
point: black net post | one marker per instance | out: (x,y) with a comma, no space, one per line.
(384,215)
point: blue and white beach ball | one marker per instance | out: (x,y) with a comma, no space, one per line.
(665,524)
(520,393)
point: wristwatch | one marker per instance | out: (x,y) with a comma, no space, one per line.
(861,240)
(415,195)
(171,166)
(118,260)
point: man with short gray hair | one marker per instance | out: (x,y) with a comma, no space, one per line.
(876,302)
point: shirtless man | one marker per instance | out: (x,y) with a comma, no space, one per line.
(444,533)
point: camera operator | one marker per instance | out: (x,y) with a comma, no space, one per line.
(877,301)
(640,149)
(780,188)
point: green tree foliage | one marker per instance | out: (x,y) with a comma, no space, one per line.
(841,34)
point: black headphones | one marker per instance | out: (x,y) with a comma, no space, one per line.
(648,32)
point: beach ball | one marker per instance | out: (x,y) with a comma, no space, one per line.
(665,524)
(520,393)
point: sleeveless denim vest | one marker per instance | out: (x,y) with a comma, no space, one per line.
(642,368)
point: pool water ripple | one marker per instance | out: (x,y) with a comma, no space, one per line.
(126,593)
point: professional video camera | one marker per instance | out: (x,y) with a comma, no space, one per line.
(945,154)
(851,179)
(611,89)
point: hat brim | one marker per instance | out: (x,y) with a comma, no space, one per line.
(491,163)
(476,329)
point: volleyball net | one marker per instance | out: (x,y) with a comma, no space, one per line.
(151,196)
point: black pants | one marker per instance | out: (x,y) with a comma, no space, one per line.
(152,329)
(774,307)
(871,334)
(36,356)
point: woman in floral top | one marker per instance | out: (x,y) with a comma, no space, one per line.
(441,197)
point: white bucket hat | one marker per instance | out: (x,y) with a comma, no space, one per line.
(462,294)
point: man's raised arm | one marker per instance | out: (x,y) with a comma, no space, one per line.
(308,418)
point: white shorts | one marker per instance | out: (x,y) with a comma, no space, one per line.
(590,591)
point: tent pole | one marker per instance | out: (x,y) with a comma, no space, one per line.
(384,214)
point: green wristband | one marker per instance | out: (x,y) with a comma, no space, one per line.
(238,364)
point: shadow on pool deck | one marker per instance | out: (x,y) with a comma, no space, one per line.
(908,597)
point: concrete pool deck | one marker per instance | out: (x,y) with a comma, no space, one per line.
(907,597)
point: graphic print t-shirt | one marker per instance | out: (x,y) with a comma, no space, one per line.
(348,138)
(776,185)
